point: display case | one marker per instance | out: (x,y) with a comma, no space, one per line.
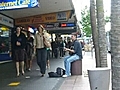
(4,43)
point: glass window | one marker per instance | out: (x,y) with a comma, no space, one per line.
(4,40)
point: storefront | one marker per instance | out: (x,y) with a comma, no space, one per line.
(6,25)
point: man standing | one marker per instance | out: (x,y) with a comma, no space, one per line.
(75,53)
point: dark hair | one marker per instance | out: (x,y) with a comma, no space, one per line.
(75,34)
(28,33)
(17,27)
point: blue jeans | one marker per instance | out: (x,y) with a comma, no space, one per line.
(67,63)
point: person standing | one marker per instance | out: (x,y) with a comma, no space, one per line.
(29,51)
(40,49)
(18,46)
(75,54)
(61,47)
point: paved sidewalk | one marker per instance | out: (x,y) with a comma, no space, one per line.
(33,81)
(81,82)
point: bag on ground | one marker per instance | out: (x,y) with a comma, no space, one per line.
(59,72)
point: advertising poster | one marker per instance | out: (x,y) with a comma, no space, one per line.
(16,4)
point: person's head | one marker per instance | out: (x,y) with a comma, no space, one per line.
(73,36)
(18,29)
(40,28)
(28,34)
(61,38)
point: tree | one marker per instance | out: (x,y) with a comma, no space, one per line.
(101,33)
(94,31)
(115,44)
(85,22)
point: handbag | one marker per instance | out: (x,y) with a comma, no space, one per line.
(46,43)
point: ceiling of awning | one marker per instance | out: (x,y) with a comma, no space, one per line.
(46,6)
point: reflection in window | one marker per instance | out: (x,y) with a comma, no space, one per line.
(4,40)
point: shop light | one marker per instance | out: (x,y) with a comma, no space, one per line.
(4,28)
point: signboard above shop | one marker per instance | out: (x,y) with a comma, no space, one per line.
(45,18)
(16,4)
(6,21)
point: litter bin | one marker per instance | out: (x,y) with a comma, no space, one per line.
(99,78)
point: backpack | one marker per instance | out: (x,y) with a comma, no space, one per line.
(59,73)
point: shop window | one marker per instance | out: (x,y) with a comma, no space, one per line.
(4,40)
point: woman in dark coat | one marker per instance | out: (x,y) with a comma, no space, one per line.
(18,46)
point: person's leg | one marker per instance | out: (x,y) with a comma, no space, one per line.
(65,59)
(48,63)
(38,56)
(30,62)
(30,59)
(21,59)
(62,52)
(48,57)
(68,64)
(43,61)
(22,67)
(17,68)
(27,64)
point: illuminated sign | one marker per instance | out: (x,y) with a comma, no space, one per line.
(13,4)
(50,26)
(67,24)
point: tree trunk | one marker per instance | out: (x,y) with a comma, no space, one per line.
(101,33)
(94,31)
(115,43)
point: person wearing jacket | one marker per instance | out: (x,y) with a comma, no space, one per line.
(40,49)
(18,46)
(75,53)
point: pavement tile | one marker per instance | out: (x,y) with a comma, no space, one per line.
(66,88)
(81,88)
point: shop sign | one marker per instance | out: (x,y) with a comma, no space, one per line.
(14,4)
(45,18)
(37,19)
(6,21)
(24,21)
(61,16)
(49,18)
(61,28)
(50,26)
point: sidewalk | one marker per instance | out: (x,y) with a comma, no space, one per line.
(33,81)
(81,82)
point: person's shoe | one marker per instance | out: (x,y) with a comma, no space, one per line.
(29,69)
(23,73)
(64,76)
(42,75)
(18,74)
